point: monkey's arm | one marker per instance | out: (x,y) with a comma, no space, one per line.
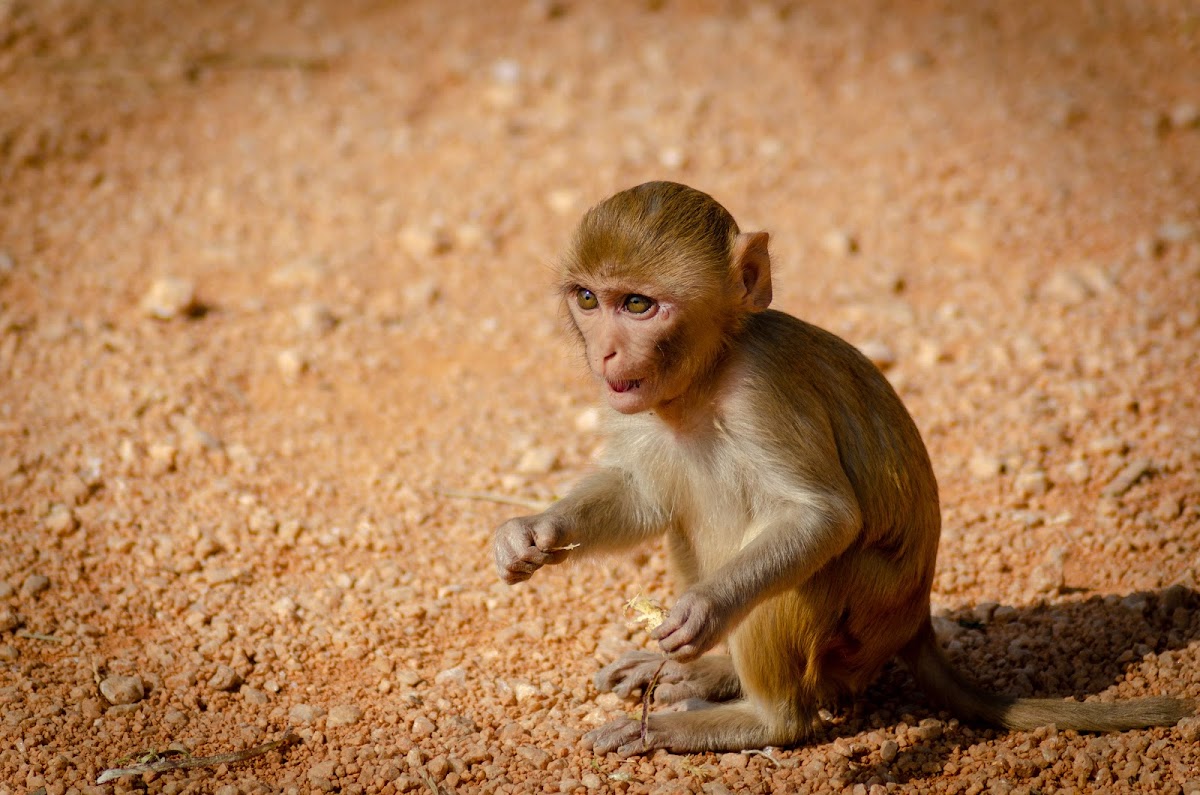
(807,514)
(606,511)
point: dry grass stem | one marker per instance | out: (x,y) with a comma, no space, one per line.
(163,765)
(504,499)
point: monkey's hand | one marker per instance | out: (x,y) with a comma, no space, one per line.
(525,544)
(695,624)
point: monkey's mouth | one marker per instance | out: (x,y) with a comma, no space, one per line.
(624,386)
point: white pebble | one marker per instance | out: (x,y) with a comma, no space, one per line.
(1078,471)
(123,689)
(34,584)
(840,243)
(344,715)
(588,420)
(537,461)
(304,713)
(1184,115)
(313,317)
(563,201)
(455,676)
(9,621)
(1031,484)
(169,297)
(880,354)
(984,467)
(225,678)
(61,520)
(423,727)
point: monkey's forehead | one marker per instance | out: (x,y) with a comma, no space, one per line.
(660,278)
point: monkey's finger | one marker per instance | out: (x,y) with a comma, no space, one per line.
(614,736)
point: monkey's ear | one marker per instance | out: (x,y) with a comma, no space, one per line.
(752,270)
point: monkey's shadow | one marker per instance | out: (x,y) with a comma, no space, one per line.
(1072,649)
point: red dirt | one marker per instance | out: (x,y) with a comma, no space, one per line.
(243,504)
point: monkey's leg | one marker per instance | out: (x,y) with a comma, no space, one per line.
(777,707)
(710,678)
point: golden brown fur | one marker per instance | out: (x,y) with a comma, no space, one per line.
(796,496)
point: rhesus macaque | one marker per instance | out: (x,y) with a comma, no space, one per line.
(797,499)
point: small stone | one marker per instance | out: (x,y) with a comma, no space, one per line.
(880,354)
(588,420)
(422,293)
(1065,288)
(537,461)
(169,297)
(423,726)
(672,158)
(9,621)
(123,689)
(225,678)
(305,273)
(34,584)
(1185,115)
(534,755)
(1083,764)
(344,715)
(7,264)
(61,520)
(1078,471)
(1127,477)
(8,653)
(1189,730)
(162,458)
(1136,603)
(1176,232)
(734,761)
(563,201)
(455,676)
(591,781)
(253,696)
(314,318)
(930,729)
(1168,508)
(1031,484)
(291,363)
(438,767)
(304,713)
(422,243)
(840,243)
(889,750)
(983,466)
(320,774)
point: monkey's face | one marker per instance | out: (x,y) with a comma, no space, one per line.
(632,344)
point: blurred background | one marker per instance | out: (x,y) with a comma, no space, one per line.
(276,281)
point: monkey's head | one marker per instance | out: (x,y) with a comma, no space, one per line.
(657,281)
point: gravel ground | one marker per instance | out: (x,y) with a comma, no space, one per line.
(275,277)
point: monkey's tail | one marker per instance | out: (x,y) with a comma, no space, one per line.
(938,678)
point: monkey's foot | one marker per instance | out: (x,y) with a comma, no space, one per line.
(710,678)
(732,726)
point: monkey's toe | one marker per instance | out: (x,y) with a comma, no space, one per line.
(633,672)
(623,735)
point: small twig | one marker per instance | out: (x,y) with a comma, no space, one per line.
(164,765)
(487,496)
(766,755)
(38,636)
(428,781)
(646,696)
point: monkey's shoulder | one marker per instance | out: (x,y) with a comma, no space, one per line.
(782,351)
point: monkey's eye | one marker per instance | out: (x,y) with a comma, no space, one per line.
(586,298)
(638,304)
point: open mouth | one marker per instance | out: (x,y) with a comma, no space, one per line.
(624,386)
